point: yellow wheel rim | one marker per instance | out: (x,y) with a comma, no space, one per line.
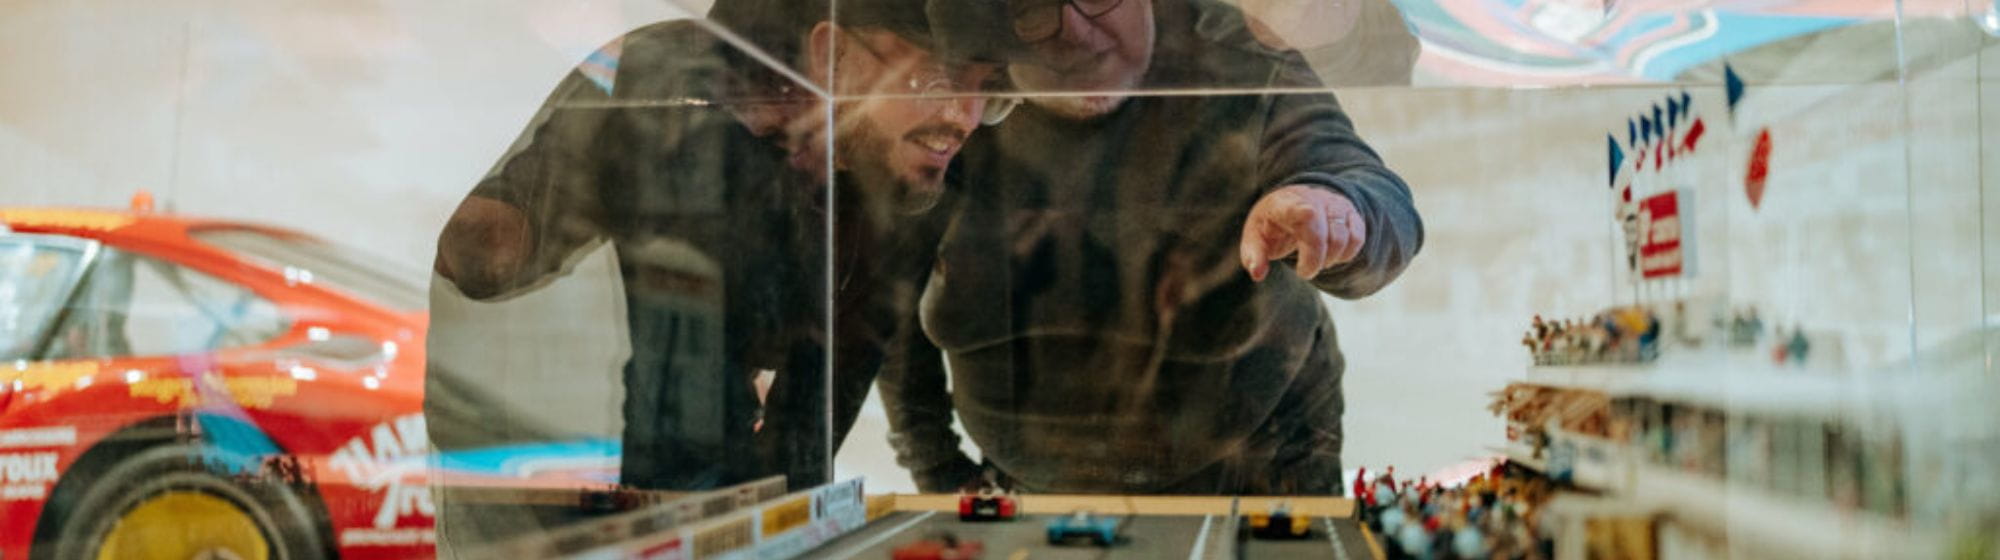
(185,526)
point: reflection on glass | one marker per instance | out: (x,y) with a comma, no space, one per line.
(709,174)
(1072,246)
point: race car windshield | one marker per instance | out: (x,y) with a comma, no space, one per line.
(325,264)
(33,282)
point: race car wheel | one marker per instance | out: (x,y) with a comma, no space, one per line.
(180,524)
(169,502)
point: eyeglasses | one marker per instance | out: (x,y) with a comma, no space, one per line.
(1042,20)
(933,84)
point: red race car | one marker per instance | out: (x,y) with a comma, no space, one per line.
(985,506)
(939,547)
(184,388)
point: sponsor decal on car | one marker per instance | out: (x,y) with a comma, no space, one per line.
(249,392)
(25,476)
(51,436)
(387,537)
(48,378)
(383,461)
(79,219)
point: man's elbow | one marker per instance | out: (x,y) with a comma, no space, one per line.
(483,247)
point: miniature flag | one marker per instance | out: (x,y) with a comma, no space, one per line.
(1693,135)
(1687,103)
(1617,158)
(1759,170)
(1673,120)
(1631,132)
(1733,85)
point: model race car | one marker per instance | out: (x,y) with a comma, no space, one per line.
(1279,523)
(1082,524)
(986,506)
(942,546)
(252,387)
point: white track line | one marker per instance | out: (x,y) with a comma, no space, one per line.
(1201,540)
(870,543)
(1332,536)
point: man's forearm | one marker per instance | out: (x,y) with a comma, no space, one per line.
(1311,142)
(912,385)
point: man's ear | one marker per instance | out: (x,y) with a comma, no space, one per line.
(821,51)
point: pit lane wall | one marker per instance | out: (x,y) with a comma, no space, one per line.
(752,521)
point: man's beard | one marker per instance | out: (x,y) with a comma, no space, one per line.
(1079,108)
(863,152)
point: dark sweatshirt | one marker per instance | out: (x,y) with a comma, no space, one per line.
(1087,294)
(721,250)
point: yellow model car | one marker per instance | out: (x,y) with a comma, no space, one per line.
(1279,523)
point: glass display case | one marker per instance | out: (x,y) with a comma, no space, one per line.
(667,278)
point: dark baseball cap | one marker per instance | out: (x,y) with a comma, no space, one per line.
(967,30)
(978,30)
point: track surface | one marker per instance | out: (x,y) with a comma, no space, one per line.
(1347,544)
(1146,536)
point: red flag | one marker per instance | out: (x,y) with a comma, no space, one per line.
(1693,135)
(1760,169)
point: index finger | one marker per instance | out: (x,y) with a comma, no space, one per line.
(1309,232)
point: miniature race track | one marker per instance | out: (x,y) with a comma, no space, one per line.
(758,520)
(1340,539)
(1142,536)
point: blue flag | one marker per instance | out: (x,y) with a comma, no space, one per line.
(1617,158)
(1733,85)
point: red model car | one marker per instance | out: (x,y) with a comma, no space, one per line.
(183,388)
(985,507)
(939,547)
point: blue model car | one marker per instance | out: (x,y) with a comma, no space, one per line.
(1083,524)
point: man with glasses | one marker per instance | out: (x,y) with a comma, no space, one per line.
(705,169)
(1102,293)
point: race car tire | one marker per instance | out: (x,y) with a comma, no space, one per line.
(154,489)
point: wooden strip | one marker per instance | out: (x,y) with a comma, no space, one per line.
(1143,505)
(880,505)
(1339,508)
(658,515)
(1373,547)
